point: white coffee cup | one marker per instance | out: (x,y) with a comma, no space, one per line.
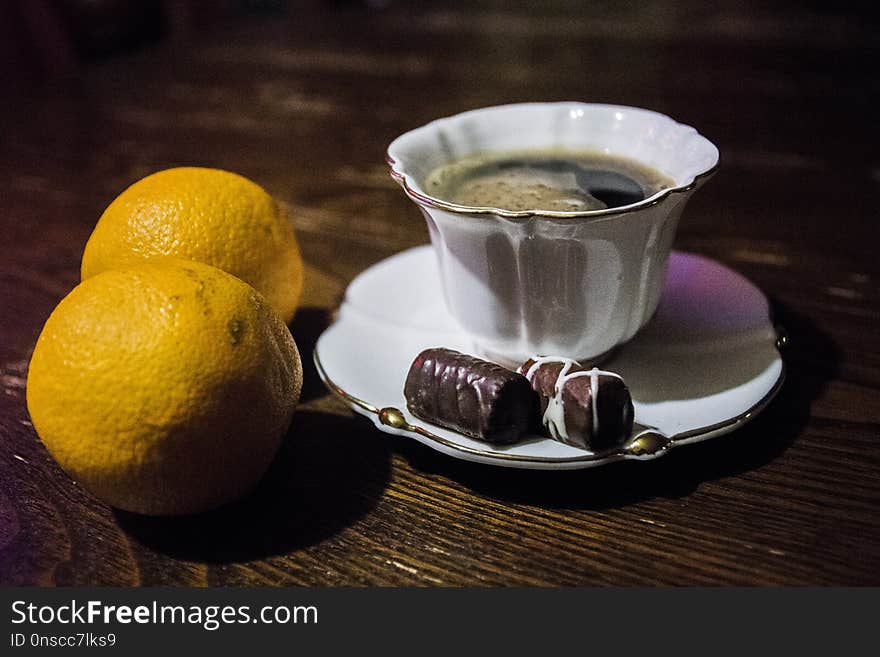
(573,284)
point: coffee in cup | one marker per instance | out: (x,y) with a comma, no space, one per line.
(539,180)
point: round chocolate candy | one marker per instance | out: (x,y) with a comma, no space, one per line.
(587,408)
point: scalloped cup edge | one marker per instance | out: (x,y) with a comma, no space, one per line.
(698,157)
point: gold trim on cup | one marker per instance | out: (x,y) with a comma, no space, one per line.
(597,215)
(421,198)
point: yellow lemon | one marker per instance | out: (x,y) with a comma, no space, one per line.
(165,388)
(206,215)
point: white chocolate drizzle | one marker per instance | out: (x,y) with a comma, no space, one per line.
(554,416)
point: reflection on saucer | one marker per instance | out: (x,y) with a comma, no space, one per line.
(706,363)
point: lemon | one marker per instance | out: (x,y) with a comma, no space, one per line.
(165,388)
(206,215)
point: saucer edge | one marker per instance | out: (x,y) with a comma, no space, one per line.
(392,420)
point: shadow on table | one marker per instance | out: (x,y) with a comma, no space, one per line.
(811,360)
(306,327)
(330,472)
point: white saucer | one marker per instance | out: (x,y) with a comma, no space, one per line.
(706,363)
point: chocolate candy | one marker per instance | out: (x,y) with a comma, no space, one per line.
(472,396)
(590,409)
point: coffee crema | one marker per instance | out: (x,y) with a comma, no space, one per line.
(554,180)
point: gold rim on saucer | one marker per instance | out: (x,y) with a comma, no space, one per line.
(645,444)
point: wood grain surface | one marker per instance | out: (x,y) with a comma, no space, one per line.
(305,104)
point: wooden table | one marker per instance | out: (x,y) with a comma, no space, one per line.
(306,105)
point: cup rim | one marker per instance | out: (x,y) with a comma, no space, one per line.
(399,174)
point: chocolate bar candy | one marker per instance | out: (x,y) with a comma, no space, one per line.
(587,408)
(472,396)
